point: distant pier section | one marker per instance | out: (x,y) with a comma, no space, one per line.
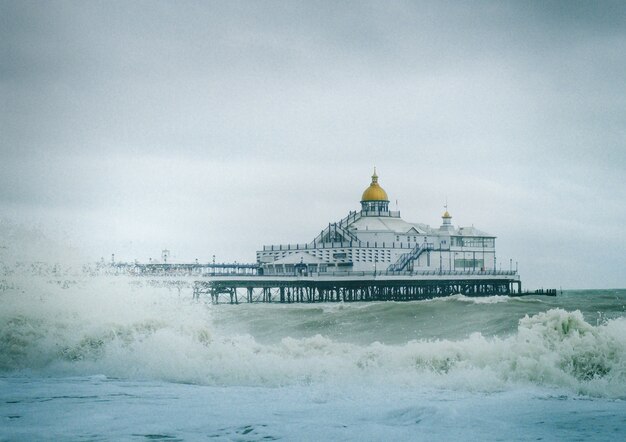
(183,269)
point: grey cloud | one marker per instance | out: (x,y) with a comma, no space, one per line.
(116,111)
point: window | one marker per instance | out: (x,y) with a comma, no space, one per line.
(469,264)
(473,241)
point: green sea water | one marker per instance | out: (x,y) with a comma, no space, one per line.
(105,357)
(454,317)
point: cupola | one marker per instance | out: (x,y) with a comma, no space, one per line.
(446,220)
(374,200)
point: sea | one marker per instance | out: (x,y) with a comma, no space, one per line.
(90,357)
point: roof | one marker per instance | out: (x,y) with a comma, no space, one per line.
(386,224)
(471,231)
(400,226)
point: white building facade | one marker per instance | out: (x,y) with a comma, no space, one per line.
(377,240)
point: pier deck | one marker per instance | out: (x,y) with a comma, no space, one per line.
(352,288)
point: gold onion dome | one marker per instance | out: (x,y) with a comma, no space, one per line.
(374,192)
(446,215)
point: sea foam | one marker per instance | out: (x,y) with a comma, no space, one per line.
(105,325)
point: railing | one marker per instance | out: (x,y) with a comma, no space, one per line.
(350,218)
(405,258)
(353,215)
(179,269)
(283,247)
(389,213)
(391,273)
(336,245)
(338,228)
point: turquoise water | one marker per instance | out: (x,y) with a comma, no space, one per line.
(113,358)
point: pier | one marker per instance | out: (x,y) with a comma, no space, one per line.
(369,255)
(355,287)
(236,283)
(183,269)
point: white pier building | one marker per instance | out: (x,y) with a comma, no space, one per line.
(377,240)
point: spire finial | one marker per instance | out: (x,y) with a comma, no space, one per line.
(446,215)
(375,176)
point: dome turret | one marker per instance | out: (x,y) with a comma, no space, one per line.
(374,192)
(447,220)
(374,198)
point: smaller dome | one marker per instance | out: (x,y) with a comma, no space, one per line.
(374,192)
(446,215)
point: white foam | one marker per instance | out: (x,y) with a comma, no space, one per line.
(107,326)
(478,299)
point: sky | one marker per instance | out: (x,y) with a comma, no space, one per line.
(212,128)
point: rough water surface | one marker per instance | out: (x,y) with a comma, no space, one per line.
(109,357)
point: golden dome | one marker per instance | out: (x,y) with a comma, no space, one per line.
(374,192)
(446,215)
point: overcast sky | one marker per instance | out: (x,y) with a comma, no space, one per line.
(212,128)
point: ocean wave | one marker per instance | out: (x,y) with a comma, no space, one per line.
(495,299)
(147,332)
(458,298)
(477,299)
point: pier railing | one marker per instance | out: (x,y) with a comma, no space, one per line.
(389,213)
(405,258)
(252,270)
(386,273)
(179,269)
(340,244)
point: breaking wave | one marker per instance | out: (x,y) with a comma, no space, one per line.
(106,326)
(497,299)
